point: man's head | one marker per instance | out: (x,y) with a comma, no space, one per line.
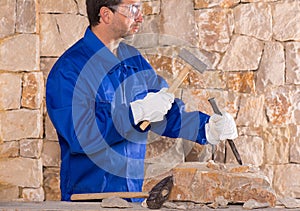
(93,8)
(118,18)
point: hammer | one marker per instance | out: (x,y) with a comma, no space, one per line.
(155,198)
(197,64)
(193,62)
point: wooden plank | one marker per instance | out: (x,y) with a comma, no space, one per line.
(95,196)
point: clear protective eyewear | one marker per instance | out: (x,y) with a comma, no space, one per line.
(133,10)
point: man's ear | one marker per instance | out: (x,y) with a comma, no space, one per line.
(105,14)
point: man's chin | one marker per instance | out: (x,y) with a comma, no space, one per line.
(129,37)
(130,33)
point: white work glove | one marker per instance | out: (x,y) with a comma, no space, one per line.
(153,107)
(220,128)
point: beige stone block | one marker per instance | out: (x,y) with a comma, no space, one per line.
(201,4)
(204,182)
(20,53)
(58,32)
(277,145)
(244,53)
(206,80)
(51,154)
(295,150)
(155,172)
(26,16)
(51,42)
(292,62)
(33,194)
(70,32)
(165,63)
(10,83)
(210,58)
(177,21)
(197,100)
(295,102)
(31,148)
(196,152)
(58,6)
(163,149)
(286,20)
(251,111)
(8,17)
(33,90)
(8,192)
(81,7)
(272,68)
(20,124)
(295,143)
(251,150)
(215,28)
(50,131)
(286,181)
(151,7)
(250,131)
(23,172)
(242,82)
(9,149)
(52,184)
(253,20)
(268,170)
(278,105)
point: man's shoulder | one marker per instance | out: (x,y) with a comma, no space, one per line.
(73,50)
(76,53)
(73,57)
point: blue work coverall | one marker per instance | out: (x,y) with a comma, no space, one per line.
(88,95)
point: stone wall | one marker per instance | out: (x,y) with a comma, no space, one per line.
(252,48)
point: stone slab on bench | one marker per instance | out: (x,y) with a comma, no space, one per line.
(204,182)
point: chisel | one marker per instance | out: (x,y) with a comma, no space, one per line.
(231,143)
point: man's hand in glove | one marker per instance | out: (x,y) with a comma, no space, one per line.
(220,128)
(153,107)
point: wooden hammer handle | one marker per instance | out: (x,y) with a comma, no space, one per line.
(178,81)
(95,196)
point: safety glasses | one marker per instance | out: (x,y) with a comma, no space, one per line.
(131,11)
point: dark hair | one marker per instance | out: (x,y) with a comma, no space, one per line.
(93,8)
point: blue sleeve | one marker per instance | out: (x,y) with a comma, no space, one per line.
(85,124)
(182,124)
(59,91)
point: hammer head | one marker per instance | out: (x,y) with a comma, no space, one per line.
(192,60)
(160,193)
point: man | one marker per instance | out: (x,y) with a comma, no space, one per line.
(98,93)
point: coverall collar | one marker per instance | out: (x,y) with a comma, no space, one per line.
(92,41)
